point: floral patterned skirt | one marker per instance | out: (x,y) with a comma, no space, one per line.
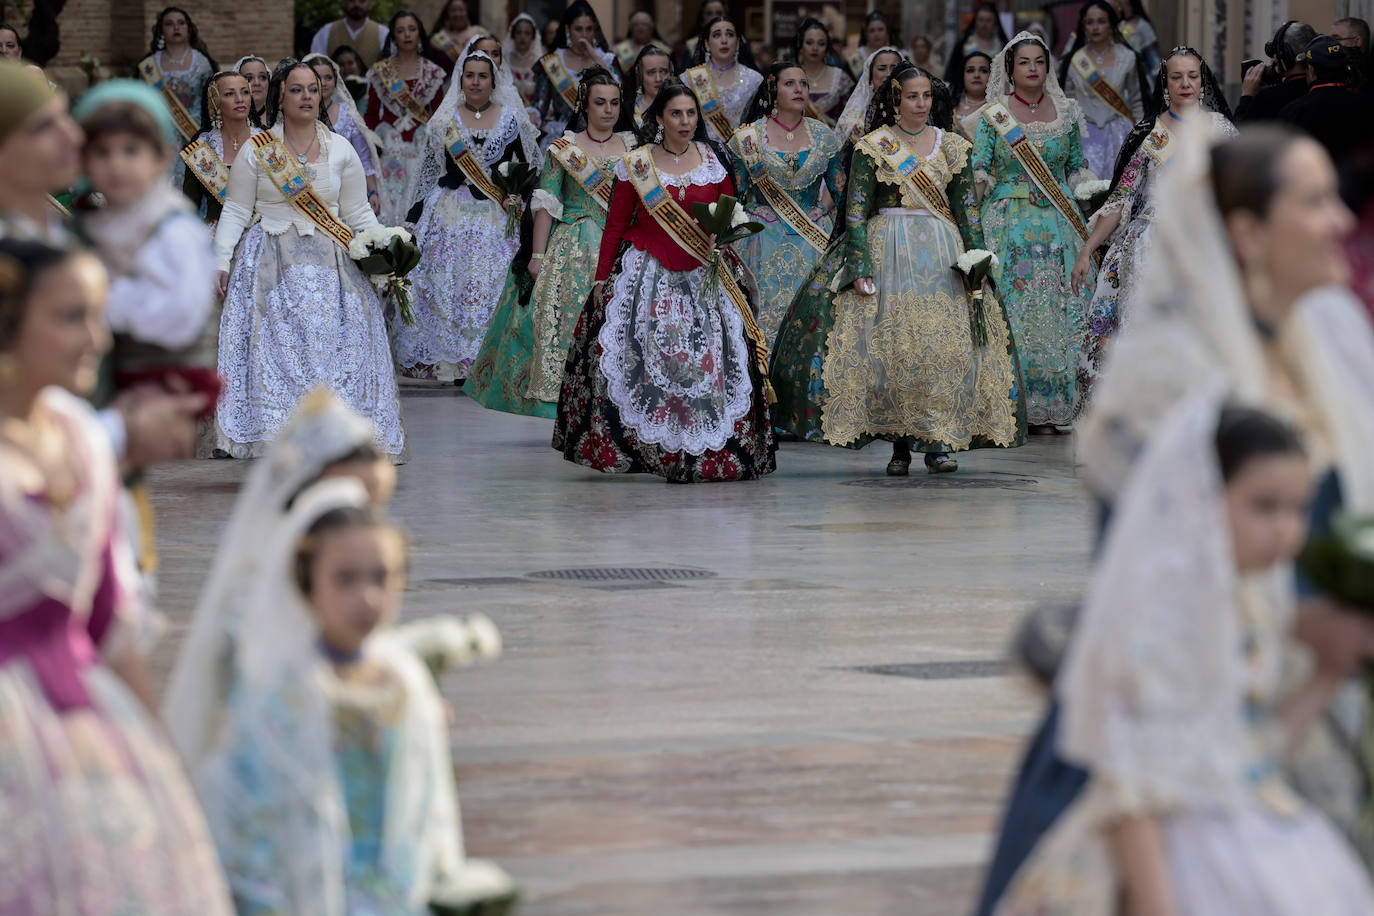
(1120,271)
(797,361)
(1037,248)
(99,816)
(780,260)
(299,314)
(661,379)
(400,159)
(464,259)
(1102,144)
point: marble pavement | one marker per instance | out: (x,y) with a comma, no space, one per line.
(800,708)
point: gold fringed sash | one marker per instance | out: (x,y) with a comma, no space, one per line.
(152,75)
(584,170)
(750,141)
(443,41)
(558,76)
(396,87)
(467,162)
(1097,81)
(208,168)
(856,64)
(281,168)
(712,109)
(691,238)
(1023,148)
(884,146)
(625,54)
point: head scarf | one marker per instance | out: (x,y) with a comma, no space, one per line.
(508,46)
(132,92)
(856,109)
(23,91)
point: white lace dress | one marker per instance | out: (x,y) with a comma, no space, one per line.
(299,312)
(464,257)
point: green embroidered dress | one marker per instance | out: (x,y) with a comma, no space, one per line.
(519,368)
(901,364)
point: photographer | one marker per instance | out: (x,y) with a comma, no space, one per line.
(1332,112)
(1268,88)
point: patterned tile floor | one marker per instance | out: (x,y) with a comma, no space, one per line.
(735,743)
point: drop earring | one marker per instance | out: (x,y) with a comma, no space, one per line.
(658,134)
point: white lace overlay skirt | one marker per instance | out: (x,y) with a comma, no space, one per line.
(464,259)
(98,815)
(675,360)
(300,314)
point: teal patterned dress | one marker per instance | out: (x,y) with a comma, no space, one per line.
(779,258)
(519,368)
(902,364)
(1037,246)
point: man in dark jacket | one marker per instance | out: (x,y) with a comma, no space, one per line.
(1259,102)
(1332,112)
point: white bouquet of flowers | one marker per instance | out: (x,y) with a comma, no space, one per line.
(727,220)
(391,253)
(446,641)
(514,179)
(1092,194)
(977,266)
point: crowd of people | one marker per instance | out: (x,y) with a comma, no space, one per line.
(1040,242)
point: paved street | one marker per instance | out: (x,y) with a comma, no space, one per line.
(804,711)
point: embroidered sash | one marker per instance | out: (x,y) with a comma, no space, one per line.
(1159,143)
(472,169)
(1097,81)
(689,235)
(884,146)
(625,54)
(152,75)
(281,168)
(813,111)
(396,87)
(750,141)
(583,170)
(1023,148)
(558,76)
(712,109)
(208,168)
(856,64)
(443,41)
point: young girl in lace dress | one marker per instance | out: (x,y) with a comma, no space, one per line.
(1170,694)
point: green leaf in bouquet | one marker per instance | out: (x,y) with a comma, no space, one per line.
(1340,562)
(374,264)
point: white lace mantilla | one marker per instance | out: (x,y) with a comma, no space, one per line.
(675,362)
(708,173)
(489,144)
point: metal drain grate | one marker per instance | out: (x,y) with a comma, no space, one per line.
(937,671)
(623,574)
(944,482)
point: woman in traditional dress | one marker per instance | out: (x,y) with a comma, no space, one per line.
(906,355)
(1139,31)
(1186,95)
(580,45)
(724,85)
(877,34)
(640,34)
(877,68)
(709,9)
(460,222)
(1108,81)
(785,162)
(520,366)
(10,44)
(830,86)
(923,55)
(108,820)
(298,312)
(342,114)
(178,65)
(1243,292)
(974,93)
(652,67)
(984,33)
(255,70)
(522,51)
(1032,221)
(403,89)
(451,34)
(664,375)
(226,128)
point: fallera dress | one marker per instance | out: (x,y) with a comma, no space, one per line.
(779,257)
(399,129)
(520,366)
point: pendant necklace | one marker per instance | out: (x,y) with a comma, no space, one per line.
(1017,96)
(304,157)
(790,132)
(677,157)
(477,112)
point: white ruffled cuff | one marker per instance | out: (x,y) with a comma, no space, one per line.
(545,201)
(1119,206)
